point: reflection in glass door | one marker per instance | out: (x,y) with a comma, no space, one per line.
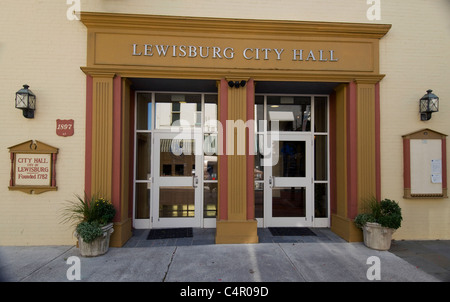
(170,181)
(294,190)
(177,189)
(288,181)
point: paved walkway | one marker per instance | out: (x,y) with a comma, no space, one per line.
(324,257)
(430,256)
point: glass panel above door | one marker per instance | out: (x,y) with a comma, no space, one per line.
(292,113)
(177,110)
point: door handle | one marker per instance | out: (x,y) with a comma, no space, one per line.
(194,181)
(271,181)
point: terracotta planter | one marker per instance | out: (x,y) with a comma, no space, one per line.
(97,247)
(377,237)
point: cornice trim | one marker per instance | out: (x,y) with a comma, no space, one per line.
(235,26)
(214,74)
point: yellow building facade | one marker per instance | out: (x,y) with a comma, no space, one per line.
(348,76)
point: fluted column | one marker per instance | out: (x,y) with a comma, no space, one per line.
(102,135)
(235,225)
(106,158)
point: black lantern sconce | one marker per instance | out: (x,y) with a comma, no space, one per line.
(237,84)
(429,103)
(26,101)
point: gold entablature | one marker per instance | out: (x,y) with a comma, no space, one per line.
(111,38)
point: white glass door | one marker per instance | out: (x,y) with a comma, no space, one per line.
(288,181)
(177,181)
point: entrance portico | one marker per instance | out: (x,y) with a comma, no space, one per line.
(122,48)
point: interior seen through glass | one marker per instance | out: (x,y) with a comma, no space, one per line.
(289,202)
(199,111)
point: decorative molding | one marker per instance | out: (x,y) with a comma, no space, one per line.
(236,27)
(214,74)
(425,134)
(100,73)
(369,79)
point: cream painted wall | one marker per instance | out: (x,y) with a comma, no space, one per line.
(412,67)
(305,10)
(42,48)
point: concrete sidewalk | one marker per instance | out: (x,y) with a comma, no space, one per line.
(324,257)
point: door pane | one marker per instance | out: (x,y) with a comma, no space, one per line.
(320,157)
(292,113)
(210,113)
(176,202)
(210,200)
(143,155)
(210,174)
(210,171)
(142,201)
(177,157)
(320,200)
(320,114)
(259,113)
(144,111)
(291,159)
(258,172)
(289,202)
(259,199)
(210,168)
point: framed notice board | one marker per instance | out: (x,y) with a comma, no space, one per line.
(33,167)
(425,164)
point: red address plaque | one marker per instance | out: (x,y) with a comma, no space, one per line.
(64,127)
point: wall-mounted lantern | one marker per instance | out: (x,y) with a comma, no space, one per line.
(26,101)
(429,103)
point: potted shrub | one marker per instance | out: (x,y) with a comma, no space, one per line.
(379,221)
(92,220)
